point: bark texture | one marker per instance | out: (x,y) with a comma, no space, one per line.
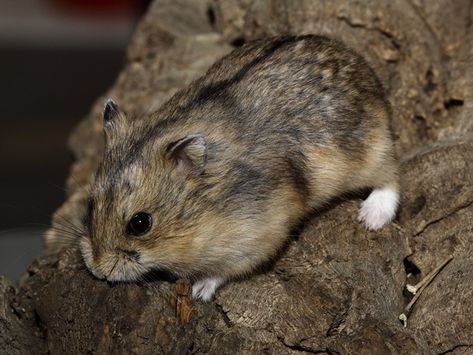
(336,288)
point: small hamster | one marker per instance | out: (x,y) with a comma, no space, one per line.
(209,186)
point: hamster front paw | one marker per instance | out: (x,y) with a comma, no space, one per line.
(379,208)
(205,289)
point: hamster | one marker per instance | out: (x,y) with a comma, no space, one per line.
(209,186)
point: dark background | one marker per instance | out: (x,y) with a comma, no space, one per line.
(56,58)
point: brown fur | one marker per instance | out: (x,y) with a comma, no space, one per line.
(282,126)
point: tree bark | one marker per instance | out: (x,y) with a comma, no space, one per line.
(336,288)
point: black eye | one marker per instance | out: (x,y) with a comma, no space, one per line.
(139,224)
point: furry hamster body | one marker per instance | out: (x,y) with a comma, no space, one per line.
(209,186)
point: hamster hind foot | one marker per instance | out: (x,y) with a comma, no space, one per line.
(205,289)
(379,208)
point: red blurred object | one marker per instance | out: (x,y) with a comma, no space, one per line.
(101,7)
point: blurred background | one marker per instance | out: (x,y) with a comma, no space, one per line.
(56,58)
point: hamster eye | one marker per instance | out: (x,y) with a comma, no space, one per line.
(139,224)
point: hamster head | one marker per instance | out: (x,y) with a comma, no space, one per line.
(144,210)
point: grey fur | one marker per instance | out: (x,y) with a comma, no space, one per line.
(272,115)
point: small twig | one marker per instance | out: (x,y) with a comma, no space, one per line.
(417,289)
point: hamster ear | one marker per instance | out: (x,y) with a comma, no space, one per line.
(189,154)
(113,121)
(110,111)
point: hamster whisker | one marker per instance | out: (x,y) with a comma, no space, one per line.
(71,224)
(66,228)
(67,220)
(85,188)
(67,232)
(63,241)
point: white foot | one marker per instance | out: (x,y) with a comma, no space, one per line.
(379,208)
(205,289)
